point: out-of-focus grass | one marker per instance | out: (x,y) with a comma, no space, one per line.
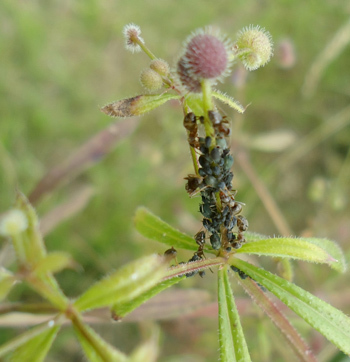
(60,61)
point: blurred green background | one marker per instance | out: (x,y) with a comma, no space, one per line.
(62,60)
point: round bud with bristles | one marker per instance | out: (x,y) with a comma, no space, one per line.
(13,223)
(206,56)
(254,47)
(160,66)
(151,80)
(132,34)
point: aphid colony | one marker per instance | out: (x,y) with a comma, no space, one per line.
(218,206)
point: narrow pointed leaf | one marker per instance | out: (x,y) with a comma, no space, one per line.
(138,105)
(33,243)
(25,337)
(53,263)
(296,342)
(120,310)
(96,348)
(333,249)
(229,101)
(36,348)
(329,321)
(125,284)
(152,227)
(233,346)
(298,248)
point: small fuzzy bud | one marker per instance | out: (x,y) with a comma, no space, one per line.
(206,56)
(151,80)
(254,47)
(160,66)
(13,223)
(132,34)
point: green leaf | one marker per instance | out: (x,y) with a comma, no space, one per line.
(138,105)
(332,248)
(26,337)
(233,346)
(7,281)
(36,348)
(152,227)
(53,263)
(96,348)
(195,102)
(31,238)
(125,284)
(120,310)
(329,321)
(229,101)
(312,250)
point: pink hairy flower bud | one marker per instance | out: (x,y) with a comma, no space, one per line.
(206,56)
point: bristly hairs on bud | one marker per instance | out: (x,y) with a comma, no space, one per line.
(254,47)
(206,55)
(160,66)
(151,80)
(132,34)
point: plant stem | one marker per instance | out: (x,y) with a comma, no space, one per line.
(181,269)
(208,106)
(145,49)
(33,308)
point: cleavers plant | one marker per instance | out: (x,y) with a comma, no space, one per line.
(207,58)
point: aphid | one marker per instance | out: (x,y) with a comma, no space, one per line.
(228,162)
(207,210)
(200,240)
(195,257)
(190,123)
(215,154)
(215,241)
(241,273)
(230,222)
(209,226)
(220,124)
(242,223)
(211,181)
(204,162)
(193,182)
(171,254)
